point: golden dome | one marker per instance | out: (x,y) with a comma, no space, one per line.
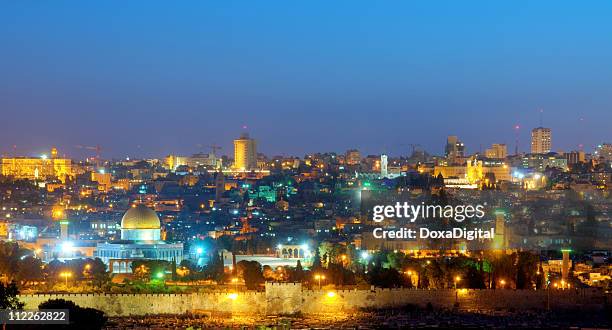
(140,217)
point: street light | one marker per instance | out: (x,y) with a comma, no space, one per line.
(319,278)
(66,275)
(503,283)
(457,279)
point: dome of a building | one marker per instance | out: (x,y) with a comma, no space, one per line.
(140,217)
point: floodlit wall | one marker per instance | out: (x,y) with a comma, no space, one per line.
(290,298)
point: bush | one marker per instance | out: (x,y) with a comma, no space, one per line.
(79,317)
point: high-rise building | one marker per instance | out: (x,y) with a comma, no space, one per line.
(245,153)
(540,140)
(497,150)
(353,157)
(454,148)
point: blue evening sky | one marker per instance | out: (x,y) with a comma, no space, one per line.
(148,78)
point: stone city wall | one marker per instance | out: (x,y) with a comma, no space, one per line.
(290,298)
(141,304)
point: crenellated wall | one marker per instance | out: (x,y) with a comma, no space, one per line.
(290,298)
(141,304)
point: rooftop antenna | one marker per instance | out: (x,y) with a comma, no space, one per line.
(541,115)
(517,127)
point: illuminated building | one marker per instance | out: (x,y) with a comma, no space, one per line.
(540,162)
(201,159)
(499,151)
(103,179)
(475,171)
(575,157)
(604,151)
(245,153)
(540,140)
(171,162)
(495,168)
(353,157)
(140,239)
(450,171)
(38,168)
(454,148)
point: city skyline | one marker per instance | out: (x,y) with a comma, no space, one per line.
(343,164)
(405,150)
(386,77)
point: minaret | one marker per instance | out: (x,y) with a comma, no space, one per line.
(383,166)
(500,242)
(219,186)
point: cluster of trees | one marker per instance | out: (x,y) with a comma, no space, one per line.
(19,264)
(89,270)
(24,268)
(342,265)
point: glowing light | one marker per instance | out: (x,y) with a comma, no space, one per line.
(365,255)
(331,294)
(44,156)
(160,275)
(233,296)
(199,250)
(67,246)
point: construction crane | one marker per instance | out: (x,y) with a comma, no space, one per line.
(212,147)
(96,148)
(413,147)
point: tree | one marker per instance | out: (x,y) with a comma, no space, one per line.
(99,272)
(10,254)
(30,269)
(527,266)
(298,274)
(150,269)
(387,278)
(215,269)
(8,296)
(251,273)
(316,262)
(79,317)
(475,279)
